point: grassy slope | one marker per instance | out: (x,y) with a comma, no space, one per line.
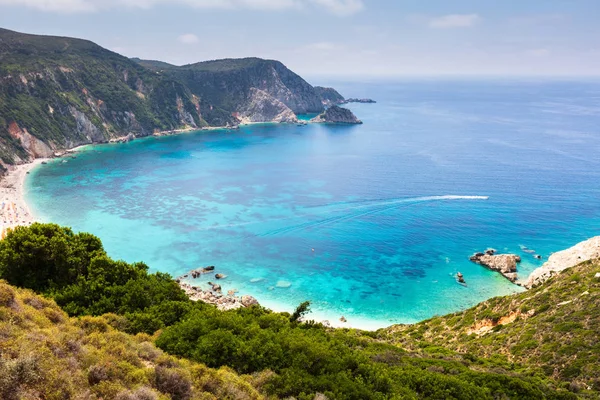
(44,354)
(555,331)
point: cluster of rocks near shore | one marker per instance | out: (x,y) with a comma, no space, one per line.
(214,295)
(506,264)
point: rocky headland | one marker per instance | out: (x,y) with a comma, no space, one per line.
(337,115)
(85,94)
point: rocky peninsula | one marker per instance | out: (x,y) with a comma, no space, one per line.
(145,98)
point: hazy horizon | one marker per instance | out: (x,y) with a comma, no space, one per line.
(336,38)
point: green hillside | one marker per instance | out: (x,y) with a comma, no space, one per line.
(60,92)
(228,83)
(552,330)
(277,355)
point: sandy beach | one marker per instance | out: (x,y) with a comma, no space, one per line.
(14,211)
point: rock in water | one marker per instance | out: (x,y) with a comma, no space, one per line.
(506,264)
(337,115)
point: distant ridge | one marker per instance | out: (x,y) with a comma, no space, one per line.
(60,92)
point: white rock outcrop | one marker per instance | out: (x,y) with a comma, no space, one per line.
(581,252)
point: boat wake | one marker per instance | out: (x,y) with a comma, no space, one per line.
(371,206)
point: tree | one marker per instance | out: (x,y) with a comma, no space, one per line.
(42,256)
(301,311)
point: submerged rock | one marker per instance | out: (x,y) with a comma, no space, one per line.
(283,284)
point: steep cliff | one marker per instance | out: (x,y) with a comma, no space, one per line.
(60,92)
(228,83)
(262,107)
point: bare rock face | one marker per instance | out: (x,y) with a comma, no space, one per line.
(506,264)
(337,115)
(262,107)
(581,252)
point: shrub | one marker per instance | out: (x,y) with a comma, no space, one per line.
(173,382)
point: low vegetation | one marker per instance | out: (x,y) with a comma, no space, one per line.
(549,331)
(248,352)
(47,355)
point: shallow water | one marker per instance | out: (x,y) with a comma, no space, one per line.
(392,208)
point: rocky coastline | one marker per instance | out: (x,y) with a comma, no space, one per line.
(214,295)
(559,261)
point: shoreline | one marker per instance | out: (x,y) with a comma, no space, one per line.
(15,212)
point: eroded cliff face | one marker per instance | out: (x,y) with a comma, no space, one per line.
(57,93)
(262,107)
(230,83)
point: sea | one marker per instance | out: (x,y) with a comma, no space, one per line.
(369,222)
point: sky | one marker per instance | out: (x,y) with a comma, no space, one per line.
(367,38)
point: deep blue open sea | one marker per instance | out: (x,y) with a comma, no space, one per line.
(392,208)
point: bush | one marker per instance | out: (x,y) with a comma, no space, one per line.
(17,373)
(172,382)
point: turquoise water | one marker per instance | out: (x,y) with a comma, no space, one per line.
(392,208)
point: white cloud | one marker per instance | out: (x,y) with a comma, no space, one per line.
(454,21)
(337,7)
(188,38)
